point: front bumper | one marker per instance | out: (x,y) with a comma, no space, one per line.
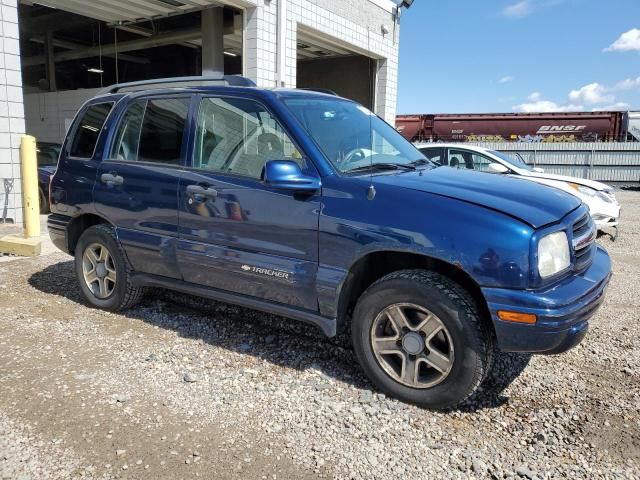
(562,310)
(605,214)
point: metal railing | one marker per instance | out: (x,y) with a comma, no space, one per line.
(603,161)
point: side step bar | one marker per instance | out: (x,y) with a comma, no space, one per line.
(325,324)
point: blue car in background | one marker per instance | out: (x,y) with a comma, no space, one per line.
(47,154)
(309,206)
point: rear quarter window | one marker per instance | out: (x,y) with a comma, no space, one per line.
(88,130)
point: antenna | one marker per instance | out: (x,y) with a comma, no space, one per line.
(371,191)
(115,42)
(100,54)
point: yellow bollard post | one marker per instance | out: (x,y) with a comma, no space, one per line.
(30,193)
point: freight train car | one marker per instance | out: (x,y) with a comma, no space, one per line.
(515,127)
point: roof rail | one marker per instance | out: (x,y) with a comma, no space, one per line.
(320,90)
(224,80)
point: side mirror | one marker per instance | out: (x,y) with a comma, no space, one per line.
(538,170)
(287,175)
(497,168)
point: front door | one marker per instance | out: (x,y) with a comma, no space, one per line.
(236,233)
(137,183)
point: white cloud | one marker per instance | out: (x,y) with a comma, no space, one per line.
(538,104)
(628,41)
(627,84)
(506,78)
(518,10)
(524,8)
(618,106)
(592,94)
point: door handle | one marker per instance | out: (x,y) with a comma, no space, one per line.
(200,193)
(111,179)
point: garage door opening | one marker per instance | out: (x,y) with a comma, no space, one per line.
(324,64)
(62,50)
(67,56)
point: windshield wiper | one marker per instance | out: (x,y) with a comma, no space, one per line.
(423,161)
(382,166)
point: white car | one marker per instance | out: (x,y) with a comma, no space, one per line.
(599,197)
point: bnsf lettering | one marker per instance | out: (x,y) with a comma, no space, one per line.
(561,128)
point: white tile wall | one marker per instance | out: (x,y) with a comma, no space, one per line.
(11,114)
(355,23)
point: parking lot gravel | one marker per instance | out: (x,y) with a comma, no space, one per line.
(180,387)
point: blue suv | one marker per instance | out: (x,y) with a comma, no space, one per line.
(307,205)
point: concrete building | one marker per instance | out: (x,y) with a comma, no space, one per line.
(57,53)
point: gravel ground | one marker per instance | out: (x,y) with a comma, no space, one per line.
(179,387)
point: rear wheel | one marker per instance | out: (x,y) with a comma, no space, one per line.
(419,337)
(103,271)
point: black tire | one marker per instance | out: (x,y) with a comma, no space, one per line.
(471,339)
(44,202)
(124,295)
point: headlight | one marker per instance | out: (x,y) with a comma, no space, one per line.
(586,191)
(553,254)
(608,196)
(605,196)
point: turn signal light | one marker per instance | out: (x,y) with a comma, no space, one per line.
(517,317)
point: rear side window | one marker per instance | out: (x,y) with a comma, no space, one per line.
(434,154)
(152,131)
(88,131)
(162,130)
(127,137)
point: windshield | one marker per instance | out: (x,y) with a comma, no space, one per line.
(515,161)
(351,137)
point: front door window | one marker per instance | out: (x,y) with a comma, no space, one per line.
(238,136)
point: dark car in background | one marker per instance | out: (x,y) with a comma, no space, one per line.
(47,154)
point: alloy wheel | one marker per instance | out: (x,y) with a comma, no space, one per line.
(99,271)
(412,345)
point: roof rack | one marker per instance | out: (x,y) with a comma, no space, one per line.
(320,90)
(224,80)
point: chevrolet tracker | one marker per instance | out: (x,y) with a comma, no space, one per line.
(307,205)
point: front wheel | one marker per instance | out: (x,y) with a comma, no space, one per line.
(419,337)
(103,271)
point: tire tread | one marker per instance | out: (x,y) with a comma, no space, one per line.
(132,295)
(460,297)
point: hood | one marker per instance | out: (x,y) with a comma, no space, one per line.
(532,203)
(564,178)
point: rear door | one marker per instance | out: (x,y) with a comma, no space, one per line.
(72,184)
(137,182)
(237,233)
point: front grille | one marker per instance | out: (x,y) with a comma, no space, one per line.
(583,242)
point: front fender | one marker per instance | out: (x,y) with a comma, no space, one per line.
(490,247)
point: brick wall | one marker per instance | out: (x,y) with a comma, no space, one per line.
(11,114)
